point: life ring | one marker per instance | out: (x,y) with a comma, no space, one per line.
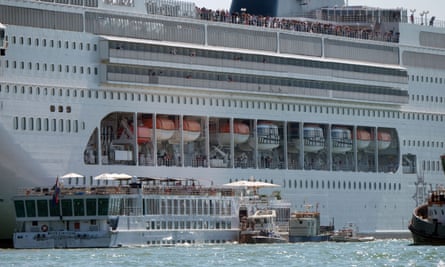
(44,228)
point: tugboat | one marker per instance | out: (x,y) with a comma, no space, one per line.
(427,225)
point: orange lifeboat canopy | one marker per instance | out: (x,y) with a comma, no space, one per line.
(383,139)
(238,128)
(241,133)
(165,127)
(191,130)
(363,139)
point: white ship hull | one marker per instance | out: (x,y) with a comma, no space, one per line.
(345,189)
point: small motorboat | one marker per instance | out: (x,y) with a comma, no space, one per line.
(349,234)
(261,228)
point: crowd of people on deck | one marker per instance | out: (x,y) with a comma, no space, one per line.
(296,24)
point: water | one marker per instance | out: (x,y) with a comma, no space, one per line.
(377,253)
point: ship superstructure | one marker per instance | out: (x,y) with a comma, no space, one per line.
(343,109)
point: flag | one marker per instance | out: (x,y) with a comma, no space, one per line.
(56,192)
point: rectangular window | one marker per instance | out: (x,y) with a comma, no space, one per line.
(79,207)
(91,207)
(103,207)
(67,207)
(54,209)
(19,208)
(30,208)
(42,208)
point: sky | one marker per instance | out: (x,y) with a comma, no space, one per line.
(435,7)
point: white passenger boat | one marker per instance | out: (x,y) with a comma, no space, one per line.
(174,90)
(146,212)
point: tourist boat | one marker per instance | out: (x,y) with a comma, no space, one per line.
(304,226)
(77,76)
(261,227)
(349,233)
(130,212)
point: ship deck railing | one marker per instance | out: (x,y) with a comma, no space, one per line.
(352,27)
(179,190)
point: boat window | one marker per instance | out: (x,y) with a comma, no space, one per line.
(103,206)
(42,208)
(30,208)
(91,207)
(79,209)
(19,208)
(54,209)
(67,207)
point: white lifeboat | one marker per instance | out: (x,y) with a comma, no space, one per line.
(363,139)
(314,140)
(241,133)
(341,140)
(268,136)
(165,128)
(191,131)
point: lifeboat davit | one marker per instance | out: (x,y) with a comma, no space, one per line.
(241,133)
(191,131)
(341,140)
(165,128)
(363,139)
(314,140)
(268,136)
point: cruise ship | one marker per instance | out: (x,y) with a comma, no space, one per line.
(342,106)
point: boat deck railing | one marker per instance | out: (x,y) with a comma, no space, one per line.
(179,190)
(353,27)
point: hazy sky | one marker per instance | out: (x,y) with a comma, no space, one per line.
(435,7)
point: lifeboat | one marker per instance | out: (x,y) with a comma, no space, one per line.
(165,128)
(268,136)
(341,140)
(363,139)
(314,140)
(191,131)
(383,140)
(143,134)
(241,133)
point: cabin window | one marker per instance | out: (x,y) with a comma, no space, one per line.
(19,208)
(91,207)
(30,208)
(79,207)
(67,207)
(103,206)
(42,208)
(54,209)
